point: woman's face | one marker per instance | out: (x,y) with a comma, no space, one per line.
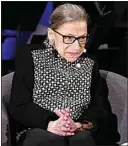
(65,39)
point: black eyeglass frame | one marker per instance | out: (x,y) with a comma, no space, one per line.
(75,38)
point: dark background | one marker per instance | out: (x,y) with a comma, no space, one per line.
(107,25)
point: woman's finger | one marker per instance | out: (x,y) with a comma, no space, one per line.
(64,112)
(78,125)
(64,129)
(67,109)
(58,113)
(69,133)
(62,123)
(67,125)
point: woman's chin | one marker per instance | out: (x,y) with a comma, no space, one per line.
(71,59)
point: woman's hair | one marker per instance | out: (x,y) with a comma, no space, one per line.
(67,13)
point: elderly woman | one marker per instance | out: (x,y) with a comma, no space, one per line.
(56,88)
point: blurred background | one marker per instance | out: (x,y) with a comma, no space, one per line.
(26,22)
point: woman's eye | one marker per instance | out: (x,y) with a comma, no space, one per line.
(82,38)
(69,37)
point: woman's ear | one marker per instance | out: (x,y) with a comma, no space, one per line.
(50,34)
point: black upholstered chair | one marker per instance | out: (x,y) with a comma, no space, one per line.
(117,86)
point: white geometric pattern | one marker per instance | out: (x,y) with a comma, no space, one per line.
(61,84)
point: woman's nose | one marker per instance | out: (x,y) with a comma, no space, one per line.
(76,45)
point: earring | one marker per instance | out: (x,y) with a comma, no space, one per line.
(85,51)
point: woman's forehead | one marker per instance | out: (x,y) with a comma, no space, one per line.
(73,28)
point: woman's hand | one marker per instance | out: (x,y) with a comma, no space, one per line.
(69,122)
(59,127)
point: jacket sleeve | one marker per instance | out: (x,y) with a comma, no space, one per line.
(96,110)
(21,106)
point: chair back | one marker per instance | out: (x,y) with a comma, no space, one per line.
(117,86)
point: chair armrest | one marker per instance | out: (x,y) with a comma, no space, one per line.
(5,127)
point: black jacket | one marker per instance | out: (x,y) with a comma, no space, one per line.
(29,114)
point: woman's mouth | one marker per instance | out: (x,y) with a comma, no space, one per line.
(73,54)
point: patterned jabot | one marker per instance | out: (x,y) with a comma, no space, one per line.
(59,83)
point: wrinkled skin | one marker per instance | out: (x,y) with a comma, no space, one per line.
(64,126)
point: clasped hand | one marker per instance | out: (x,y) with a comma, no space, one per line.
(64,126)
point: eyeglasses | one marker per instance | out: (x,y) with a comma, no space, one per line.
(68,39)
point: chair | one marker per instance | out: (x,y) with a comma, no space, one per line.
(6,89)
(117,96)
(117,86)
